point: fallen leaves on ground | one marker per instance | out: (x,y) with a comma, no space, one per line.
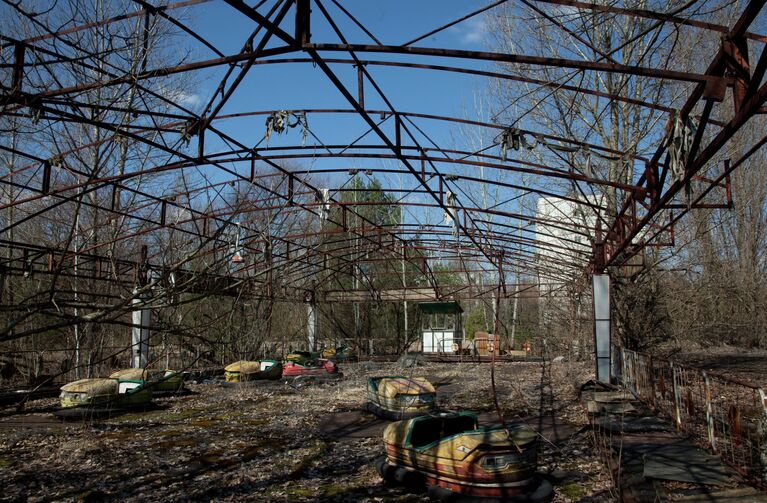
(261,442)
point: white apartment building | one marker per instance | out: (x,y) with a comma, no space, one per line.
(563,251)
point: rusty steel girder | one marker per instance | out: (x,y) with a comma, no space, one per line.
(493,238)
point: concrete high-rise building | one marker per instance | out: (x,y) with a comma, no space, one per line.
(562,231)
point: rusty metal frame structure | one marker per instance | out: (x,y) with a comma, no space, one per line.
(480,239)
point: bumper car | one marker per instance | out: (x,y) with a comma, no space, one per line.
(322,369)
(162,382)
(302,357)
(456,460)
(338,354)
(397,397)
(102,397)
(251,371)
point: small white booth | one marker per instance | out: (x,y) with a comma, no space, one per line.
(441,328)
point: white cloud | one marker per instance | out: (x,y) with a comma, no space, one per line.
(180,96)
(471,31)
(189,100)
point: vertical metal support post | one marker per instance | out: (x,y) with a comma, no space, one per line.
(46,185)
(709,411)
(303,22)
(404,288)
(513,341)
(653,388)
(601,294)
(203,124)
(311,324)
(398,133)
(677,395)
(360,87)
(142,321)
(115,199)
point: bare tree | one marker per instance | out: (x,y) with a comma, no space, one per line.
(605,120)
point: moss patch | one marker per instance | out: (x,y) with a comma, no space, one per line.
(331,490)
(572,491)
(299,492)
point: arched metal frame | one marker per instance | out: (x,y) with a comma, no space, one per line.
(481,239)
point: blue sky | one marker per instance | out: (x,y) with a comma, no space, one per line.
(299,86)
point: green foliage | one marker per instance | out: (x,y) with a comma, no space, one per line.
(388,213)
(353,232)
(476,321)
(364,257)
(443,274)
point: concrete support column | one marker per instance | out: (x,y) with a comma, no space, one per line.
(601,294)
(311,324)
(142,321)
